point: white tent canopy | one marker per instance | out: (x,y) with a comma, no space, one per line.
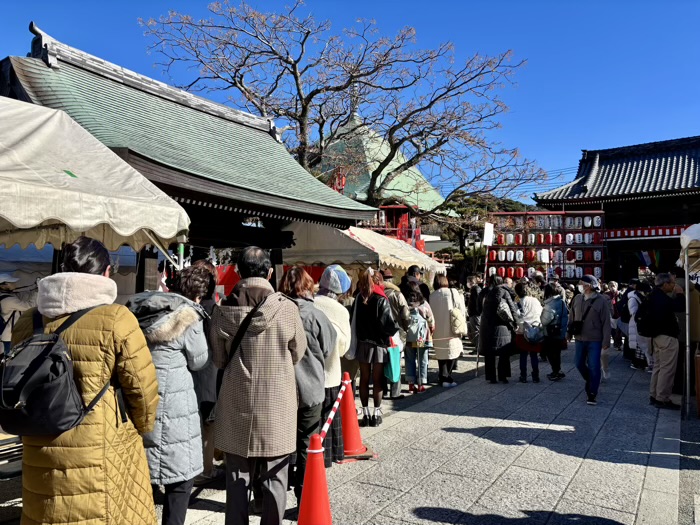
(317,244)
(59,182)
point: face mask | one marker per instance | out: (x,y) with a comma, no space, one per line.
(580,288)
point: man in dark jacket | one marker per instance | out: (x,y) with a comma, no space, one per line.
(474,310)
(402,316)
(414,274)
(666,299)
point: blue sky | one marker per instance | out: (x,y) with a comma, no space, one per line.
(599,73)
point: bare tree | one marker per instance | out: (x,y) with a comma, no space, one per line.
(430,110)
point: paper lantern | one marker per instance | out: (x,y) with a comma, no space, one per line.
(598,272)
(578,238)
(519,272)
(571,255)
(531,239)
(519,256)
(501,255)
(588,238)
(597,255)
(547,222)
(588,255)
(579,272)
(588,270)
(519,222)
(579,255)
(492,271)
(518,238)
(510,255)
(570,272)
(493,255)
(569,223)
(569,238)
(558,270)
(530,255)
(549,238)
(598,238)
(540,238)
(510,239)
(501,271)
(540,222)
(510,272)
(587,222)
(500,239)
(557,221)
(597,221)
(531,272)
(558,238)
(578,222)
(558,256)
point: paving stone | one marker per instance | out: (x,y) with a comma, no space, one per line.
(657,508)
(356,502)
(479,515)
(569,512)
(546,460)
(520,489)
(615,486)
(403,470)
(438,498)
(482,459)
(444,441)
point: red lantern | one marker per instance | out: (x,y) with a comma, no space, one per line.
(558,239)
(493,254)
(530,255)
(501,239)
(540,238)
(588,255)
(549,238)
(518,239)
(598,238)
(588,270)
(558,270)
(519,272)
(571,255)
(511,272)
(501,271)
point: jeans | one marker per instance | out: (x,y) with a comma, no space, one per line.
(588,363)
(177,500)
(410,354)
(534,360)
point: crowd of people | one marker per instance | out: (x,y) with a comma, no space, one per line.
(253,376)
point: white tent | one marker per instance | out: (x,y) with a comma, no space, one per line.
(59,182)
(317,244)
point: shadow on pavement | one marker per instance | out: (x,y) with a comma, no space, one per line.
(441,515)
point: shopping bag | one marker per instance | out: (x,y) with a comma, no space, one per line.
(392,368)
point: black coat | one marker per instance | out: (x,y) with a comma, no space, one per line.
(374,320)
(474,307)
(496,333)
(663,312)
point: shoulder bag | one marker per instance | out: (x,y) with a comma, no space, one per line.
(576,327)
(242,330)
(458,323)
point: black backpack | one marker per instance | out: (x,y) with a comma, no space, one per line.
(623,307)
(38,394)
(643,317)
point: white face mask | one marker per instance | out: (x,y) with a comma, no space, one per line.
(580,288)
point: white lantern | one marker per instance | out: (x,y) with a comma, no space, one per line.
(510,239)
(501,255)
(492,270)
(587,222)
(547,222)
(579,238)
(531,239)
(531,272)
(578,222)
(569,223)
(598,272)
(597,255)
(579,272)
(519,256)
(597,221)
(570,272)
(569,238)
(558,256)
(588,238)
(540,222)
(519,223)
(510,255)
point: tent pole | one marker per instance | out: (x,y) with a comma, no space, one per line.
(687,334)
(181,255)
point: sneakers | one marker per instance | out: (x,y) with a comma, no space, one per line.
(523,379)
(635,367)
(449,385)
(411,388)
(556,377)
(670,405)
(591,400)
(420,388)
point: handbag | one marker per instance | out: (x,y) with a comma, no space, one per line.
(351,354)
(576,327)
(392,368)
(458,322)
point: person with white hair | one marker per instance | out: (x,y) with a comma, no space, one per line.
(12,304)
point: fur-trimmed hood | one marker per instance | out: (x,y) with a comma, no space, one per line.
(164,317)
(69,292)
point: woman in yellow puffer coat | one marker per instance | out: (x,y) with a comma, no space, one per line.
(95,473)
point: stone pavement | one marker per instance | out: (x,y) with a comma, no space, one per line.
(516,453)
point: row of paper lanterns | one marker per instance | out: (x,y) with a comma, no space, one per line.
(532,239)
(556,256)
(555,221)
(568,272)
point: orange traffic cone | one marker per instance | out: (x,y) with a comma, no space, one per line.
(315,507)
(352,440)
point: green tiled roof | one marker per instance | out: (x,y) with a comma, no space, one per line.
(125,110)
(410,186)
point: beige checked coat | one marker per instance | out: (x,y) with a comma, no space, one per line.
(256,414)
